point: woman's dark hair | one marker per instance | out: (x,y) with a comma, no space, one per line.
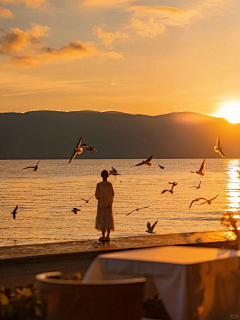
(105,174)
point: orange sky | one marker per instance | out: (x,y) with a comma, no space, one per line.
(150,57)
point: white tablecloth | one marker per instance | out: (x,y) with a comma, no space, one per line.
(194,283)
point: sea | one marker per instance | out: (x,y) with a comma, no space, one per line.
(45,198)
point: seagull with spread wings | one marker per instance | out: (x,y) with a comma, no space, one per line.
(86,200)
(218,148)
(114,172)
(78,149)
(33,167)
(197,187)
(151,228)
(147,162)
(206,201)
(75,210)
(14,212)
(200,171)
(171,190)
(137,210)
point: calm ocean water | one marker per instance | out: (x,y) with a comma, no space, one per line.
(46,198)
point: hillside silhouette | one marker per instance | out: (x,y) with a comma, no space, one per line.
(53,135)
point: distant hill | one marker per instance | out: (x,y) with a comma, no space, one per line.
(53,135)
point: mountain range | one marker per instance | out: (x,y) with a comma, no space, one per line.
(54,135)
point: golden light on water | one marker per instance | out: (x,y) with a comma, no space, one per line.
(230,111)
(233,185)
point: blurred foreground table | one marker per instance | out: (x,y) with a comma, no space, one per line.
(194,283)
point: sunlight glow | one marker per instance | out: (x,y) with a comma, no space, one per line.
(230,111)
(233,186)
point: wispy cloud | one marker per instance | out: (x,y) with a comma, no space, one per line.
(27,49)
(6,13)
(108,37)
(107,3)
(33,4)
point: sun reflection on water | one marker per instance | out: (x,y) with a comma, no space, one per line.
(233,186)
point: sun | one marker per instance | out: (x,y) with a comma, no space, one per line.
(230,111)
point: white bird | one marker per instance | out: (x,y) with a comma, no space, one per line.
(147,162)
(91,149)
(78,149)
(150,228)
(114,172)
(218,148)
(200,171)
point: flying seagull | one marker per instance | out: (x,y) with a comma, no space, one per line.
(218,149)
(14,212)
(86,200)
(75,210)
(206,201)
(197,187)
(33,167)
(78,149)
(161,167)
(91,149)
(147,162)
(209,201)
(171,190)
(200,171)
(114,172)
(150,228)
(136,210)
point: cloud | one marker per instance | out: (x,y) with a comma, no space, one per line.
(5,13)
(149,21)
(26,48)
(33,4)
(109,37)
(17,40)
(107,3)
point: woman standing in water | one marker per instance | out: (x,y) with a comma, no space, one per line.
(104,194)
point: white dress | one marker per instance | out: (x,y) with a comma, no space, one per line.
(104,194)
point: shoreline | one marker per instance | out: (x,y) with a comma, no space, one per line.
(91,248)
(20,264)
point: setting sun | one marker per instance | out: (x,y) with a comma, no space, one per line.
(230,111)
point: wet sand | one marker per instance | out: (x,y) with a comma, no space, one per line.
(20,264)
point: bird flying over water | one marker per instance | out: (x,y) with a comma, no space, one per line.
(75,210)
(206,201)
(200,171)
(14,212)
(209,201)
(147,162)
(91,149)
(78,149)
(114,172)
(171,190)
(137,210)
(150,228)
(197,187)
(33,167)
(218,148)
(86,200)
(161,167)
